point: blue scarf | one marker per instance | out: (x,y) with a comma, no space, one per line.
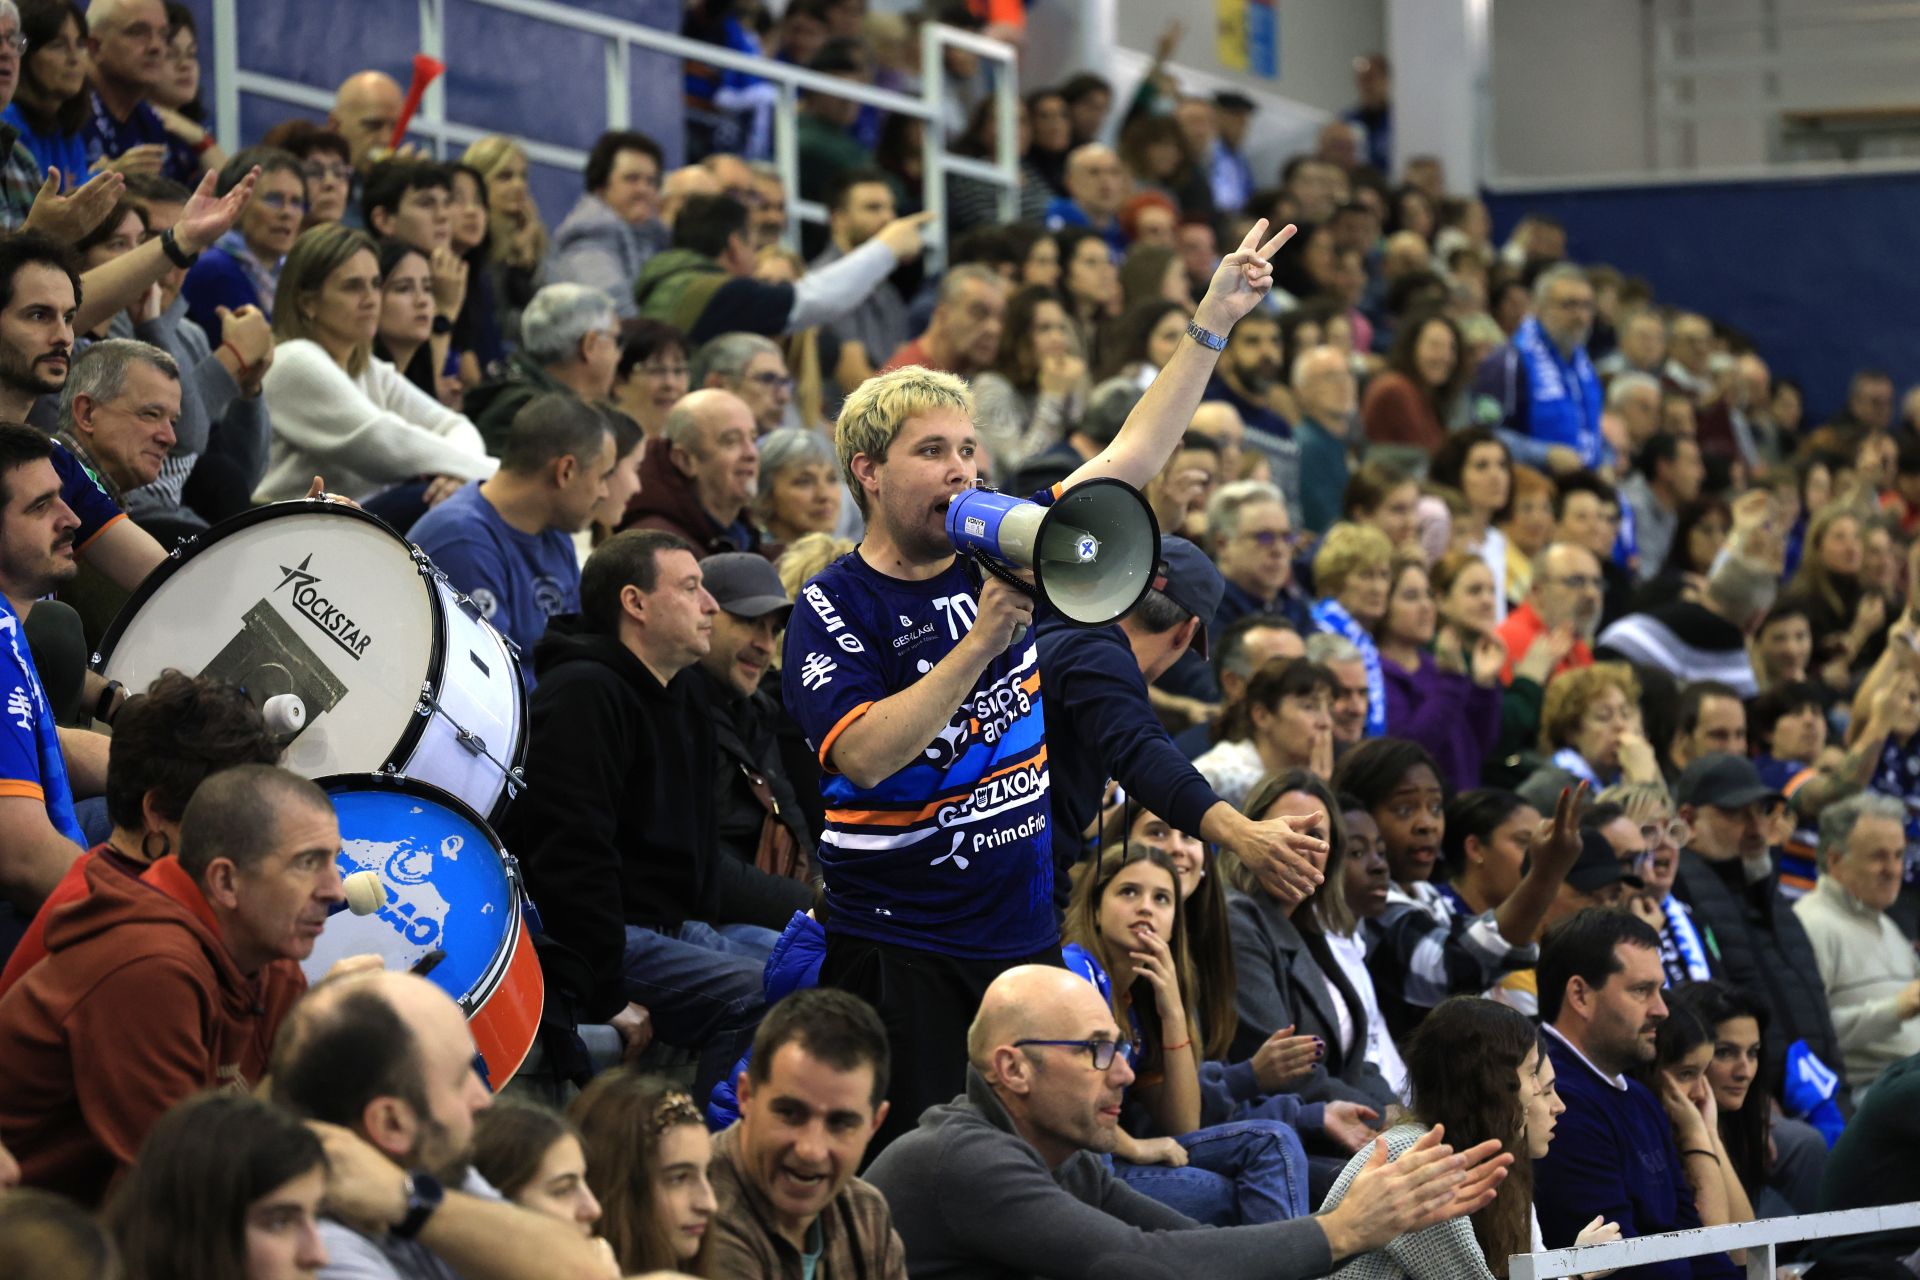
(1563,396)
(1328,615)
(1686,941)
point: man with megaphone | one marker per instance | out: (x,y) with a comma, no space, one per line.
(913,673)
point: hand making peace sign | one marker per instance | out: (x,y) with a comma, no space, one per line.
(1242,279)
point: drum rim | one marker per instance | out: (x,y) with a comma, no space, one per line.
(420,789)
(436,668)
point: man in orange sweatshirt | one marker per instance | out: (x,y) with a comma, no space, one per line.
(156,988)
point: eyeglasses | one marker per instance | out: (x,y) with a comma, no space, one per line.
(1580,582)
(1676,833)
(279,202)
(1101,1051)
(772,381)
(1271,538)
(15,42)
(322,172)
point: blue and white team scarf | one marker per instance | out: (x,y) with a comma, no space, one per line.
(1328,615)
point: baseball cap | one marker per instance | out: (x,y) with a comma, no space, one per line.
(1724,781)
(1186,577)
(1599,865)
(745,585)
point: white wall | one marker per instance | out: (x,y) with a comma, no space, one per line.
(1568,89)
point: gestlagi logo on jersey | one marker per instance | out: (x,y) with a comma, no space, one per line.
(312,605)
(830,618)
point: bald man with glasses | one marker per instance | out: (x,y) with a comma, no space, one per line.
(1021,1149)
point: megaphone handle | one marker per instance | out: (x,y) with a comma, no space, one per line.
(989,565)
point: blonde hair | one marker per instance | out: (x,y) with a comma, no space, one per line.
(879,407)
(1347,549)
(489,156)
(317,254)
(807,555)
(1570,693)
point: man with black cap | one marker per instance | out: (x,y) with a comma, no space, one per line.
(1602,876)
(1730,879)
(756,807)
(1098,711)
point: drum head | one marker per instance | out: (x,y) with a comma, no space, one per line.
(446,881)
(311,599)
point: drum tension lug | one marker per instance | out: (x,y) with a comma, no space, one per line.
(471,741)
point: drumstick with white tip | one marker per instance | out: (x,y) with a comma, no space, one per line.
(365,894)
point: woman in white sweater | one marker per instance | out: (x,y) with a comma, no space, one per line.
(338,411)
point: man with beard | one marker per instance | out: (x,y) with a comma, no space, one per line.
(1246,378)
(1567,586)
(1615,1152)
(915,679)
(39,834)
(1540,390)
(382,1063)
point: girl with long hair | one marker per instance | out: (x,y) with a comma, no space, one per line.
(1143,339)
(1683,1051)
(1847,621)
(226,1188)
(1035,392)
(1289,982)
(1125,932)
(518,236)
(647,1154)
(1476,464)
(1443,680)
(1479,1070)
(532,1155)
(1413,402)
(1209,941)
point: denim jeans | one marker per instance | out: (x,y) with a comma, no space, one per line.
(704,988)
(1238,1173)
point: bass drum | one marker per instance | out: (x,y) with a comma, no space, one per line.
(349,640)
(451,889)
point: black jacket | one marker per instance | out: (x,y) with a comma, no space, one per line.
(616,826)
(1754,941)
(744,739)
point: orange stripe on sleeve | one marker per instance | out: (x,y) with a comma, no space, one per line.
(20,788)
(102,529)
(833,734)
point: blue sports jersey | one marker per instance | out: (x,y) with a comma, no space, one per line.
(84,495)
(952,853)
(31,766)
(517,580)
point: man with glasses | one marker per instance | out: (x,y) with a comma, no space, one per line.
(753,368)
(1010,1177)
(1566,597)
(1588,511)
(569,343)
(1540,390)
(964,334)
(127,46)
(1729,878)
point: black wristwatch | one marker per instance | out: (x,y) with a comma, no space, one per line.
(103,709)
(175,254)
(424,1194)
(442,325)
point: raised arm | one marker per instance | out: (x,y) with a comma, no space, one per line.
(116,285)
(1156,424)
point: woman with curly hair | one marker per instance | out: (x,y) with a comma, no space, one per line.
(1481,1073)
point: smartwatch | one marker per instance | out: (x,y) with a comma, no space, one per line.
(442,325)
(178,256)
(1206,337)
(424,1194)
(103,710)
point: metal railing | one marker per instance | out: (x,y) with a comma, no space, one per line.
(620,39)
(1757,1238)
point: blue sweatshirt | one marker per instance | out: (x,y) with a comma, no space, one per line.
(1102,726)
(1613,1155)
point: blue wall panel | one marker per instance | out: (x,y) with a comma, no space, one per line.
(1822,275)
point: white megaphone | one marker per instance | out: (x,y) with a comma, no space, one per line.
(1093,551)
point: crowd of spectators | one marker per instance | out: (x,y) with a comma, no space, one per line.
(1493,828)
